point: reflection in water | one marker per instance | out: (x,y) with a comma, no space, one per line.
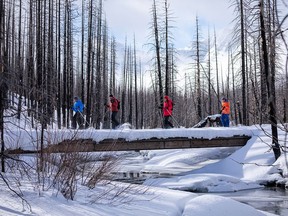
(273,200)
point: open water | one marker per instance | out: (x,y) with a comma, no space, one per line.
(273,200)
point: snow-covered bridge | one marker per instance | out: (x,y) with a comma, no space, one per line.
(89,145)
(129,139)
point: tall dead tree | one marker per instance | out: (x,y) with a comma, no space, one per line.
(99,69)
(243,67)
(209,76)
(130,90)
(135,86)
(124,82)
(157,50)
(112,84)
(19,66)
(89,78)
(51,80)
(105,65)
(82,51)
(234,90)
(198,74)
(59,92)
(270,81)
(167,69)
(217,70)
(3,81)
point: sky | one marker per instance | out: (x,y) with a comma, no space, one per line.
(129,17)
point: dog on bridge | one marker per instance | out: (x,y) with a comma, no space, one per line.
(213,120)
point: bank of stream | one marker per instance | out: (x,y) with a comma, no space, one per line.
(135,169)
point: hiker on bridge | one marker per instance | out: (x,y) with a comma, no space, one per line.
(114,107)
(167,112)
(225,112)
(78,117)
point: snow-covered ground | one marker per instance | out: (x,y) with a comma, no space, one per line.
(137,200)
(249,167)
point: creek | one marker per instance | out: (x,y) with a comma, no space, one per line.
(135,168)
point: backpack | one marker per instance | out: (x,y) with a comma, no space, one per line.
(118,105)
(171,104)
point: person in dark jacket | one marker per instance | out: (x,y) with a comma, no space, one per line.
(167,112)
(114,104)
(77,118)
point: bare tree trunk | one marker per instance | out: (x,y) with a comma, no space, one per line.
(3,81)
(270,79)
(209,76)
(142,101)
(217,71)
(70,72)
(198,75)
(3,100)
(112,66)
(59,95)
(82,51)
(19,63)
(130,91)
(243,67)
(234,91)
(89,63)
(99,72)
(123,93)
(105,64)
(50,65)
(135,86)
(157,47)
(167,72)
(254,85)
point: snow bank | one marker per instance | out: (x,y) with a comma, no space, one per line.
(204,183)
(136,200)
(247,168)
(218,206)
(29,138)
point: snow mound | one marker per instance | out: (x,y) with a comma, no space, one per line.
(203,183)
(218,206)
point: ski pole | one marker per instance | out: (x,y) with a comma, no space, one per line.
(175,121)
(173,118)
(85,122)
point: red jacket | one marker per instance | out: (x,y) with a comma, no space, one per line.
(167,106)
(114,104)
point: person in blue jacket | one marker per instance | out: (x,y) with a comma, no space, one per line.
(78,108)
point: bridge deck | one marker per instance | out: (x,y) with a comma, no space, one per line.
(88,145)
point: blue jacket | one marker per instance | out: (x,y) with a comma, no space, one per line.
(78,106)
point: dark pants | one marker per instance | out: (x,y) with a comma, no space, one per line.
(225,120)
(77,119)
(167,123)
(115,123)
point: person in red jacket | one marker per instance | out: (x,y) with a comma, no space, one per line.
(167,112)
(114,107)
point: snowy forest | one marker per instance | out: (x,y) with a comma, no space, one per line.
(54,50)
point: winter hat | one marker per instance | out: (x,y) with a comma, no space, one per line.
(110,95)
(75,98)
